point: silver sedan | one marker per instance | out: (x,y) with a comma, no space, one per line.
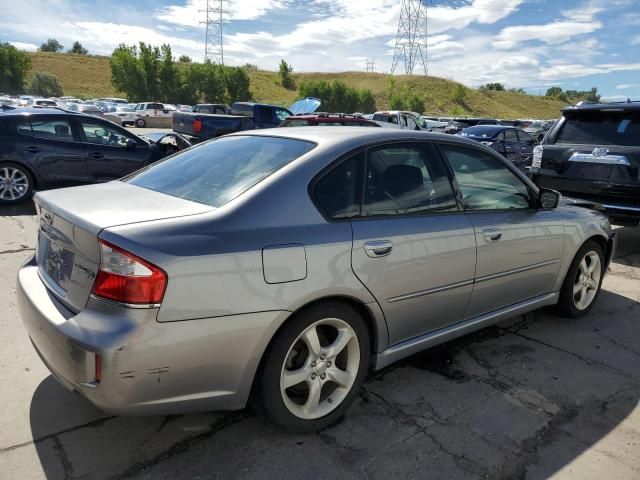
(288,263)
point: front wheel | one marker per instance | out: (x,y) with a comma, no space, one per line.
(582,284)
(16,183)
(314,367)
(140,123)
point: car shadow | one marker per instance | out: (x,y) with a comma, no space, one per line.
(526,397)
(20,209)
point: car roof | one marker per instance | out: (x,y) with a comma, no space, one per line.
(614,106)
(362,135)
(494,127)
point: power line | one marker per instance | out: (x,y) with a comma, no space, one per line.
(214,21)
(411,38)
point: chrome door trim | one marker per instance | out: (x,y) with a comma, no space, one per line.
(421,293)
(516,270)
(415,345)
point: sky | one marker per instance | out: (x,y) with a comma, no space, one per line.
(531,44)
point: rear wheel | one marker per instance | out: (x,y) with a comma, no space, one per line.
(16,183)
(582,284)
(140,123)
(314,367)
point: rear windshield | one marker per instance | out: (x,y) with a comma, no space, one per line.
(216,172)
(601,128)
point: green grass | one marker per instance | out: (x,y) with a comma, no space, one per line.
(90,76)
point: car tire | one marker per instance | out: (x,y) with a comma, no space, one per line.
(140,123)
(15,181)
(306,381)
(583,282)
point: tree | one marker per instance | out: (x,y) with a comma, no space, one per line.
(593,95)
(495,86)
(237,81)
(286,80)
(337,96)
(78,49)
(126,73)
(51,45)
(554,92)
(14,65)
(184,59)
(168,76)
(415,103)
(367,101)
(45,84)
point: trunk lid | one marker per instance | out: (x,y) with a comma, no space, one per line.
(70,220)
(305,105)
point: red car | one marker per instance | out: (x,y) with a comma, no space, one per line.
(327,120)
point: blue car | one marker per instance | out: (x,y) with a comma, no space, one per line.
(513,143)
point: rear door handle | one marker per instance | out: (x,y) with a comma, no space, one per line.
(378,248)
(32,149)
(96,155)
(492,234)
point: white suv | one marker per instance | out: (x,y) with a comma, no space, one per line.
(153,109)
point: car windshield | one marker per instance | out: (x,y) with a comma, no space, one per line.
(601,128)
(216,172)
(480,132)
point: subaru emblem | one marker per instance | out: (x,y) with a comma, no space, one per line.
(600,152)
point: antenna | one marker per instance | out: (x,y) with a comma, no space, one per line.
(371,66)
(213,44)
(411,39)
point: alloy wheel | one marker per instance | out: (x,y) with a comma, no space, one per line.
(320,368)
(14,183)
(587,280)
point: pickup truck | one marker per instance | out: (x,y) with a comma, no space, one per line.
(243,116)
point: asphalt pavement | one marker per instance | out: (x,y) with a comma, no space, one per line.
(534,397)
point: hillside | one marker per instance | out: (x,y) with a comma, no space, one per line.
(90,76)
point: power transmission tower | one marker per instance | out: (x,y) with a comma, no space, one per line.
(411,39)
(371,65)
(215,20)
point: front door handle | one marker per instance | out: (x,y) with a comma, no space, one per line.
(32,149)
(492,234)
(96,155)
(378,248)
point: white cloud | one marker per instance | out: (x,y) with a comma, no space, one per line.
(573,22)
(193,11)
(577,70)
(626,86)
(635,40)
(30,47)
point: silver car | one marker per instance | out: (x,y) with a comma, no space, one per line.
(288,263)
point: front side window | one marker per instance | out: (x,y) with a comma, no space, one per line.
(601,128)
(485,182)
(524,137)
(510,136)
(100,134)
(403,179)
(218,171)
(50,129)
(281,113)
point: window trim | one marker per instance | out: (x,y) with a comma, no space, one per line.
(531,187)
(123,132)
(429,144)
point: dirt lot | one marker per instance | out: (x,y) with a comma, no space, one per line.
(533,397)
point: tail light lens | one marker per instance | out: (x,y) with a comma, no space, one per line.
(126,278)
(197,125)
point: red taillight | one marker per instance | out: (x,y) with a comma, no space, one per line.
(126,278)
(197,125)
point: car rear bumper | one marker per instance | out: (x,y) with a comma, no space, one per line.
(147,367)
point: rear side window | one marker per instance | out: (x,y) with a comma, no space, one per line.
(216,172)
(50,129)
(601,128)
(338,193)
(510,136)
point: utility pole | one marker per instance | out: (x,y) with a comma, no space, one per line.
(214,21)
(411,39)
(371,66)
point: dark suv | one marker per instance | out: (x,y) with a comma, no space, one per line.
(593,153)
(48,148)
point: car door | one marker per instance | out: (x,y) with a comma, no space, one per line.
(519,247)
(51,146)
(526,148)
(111,152)
(412,247)
(512,146)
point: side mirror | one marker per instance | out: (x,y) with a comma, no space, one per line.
(131,144)
(548,199)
